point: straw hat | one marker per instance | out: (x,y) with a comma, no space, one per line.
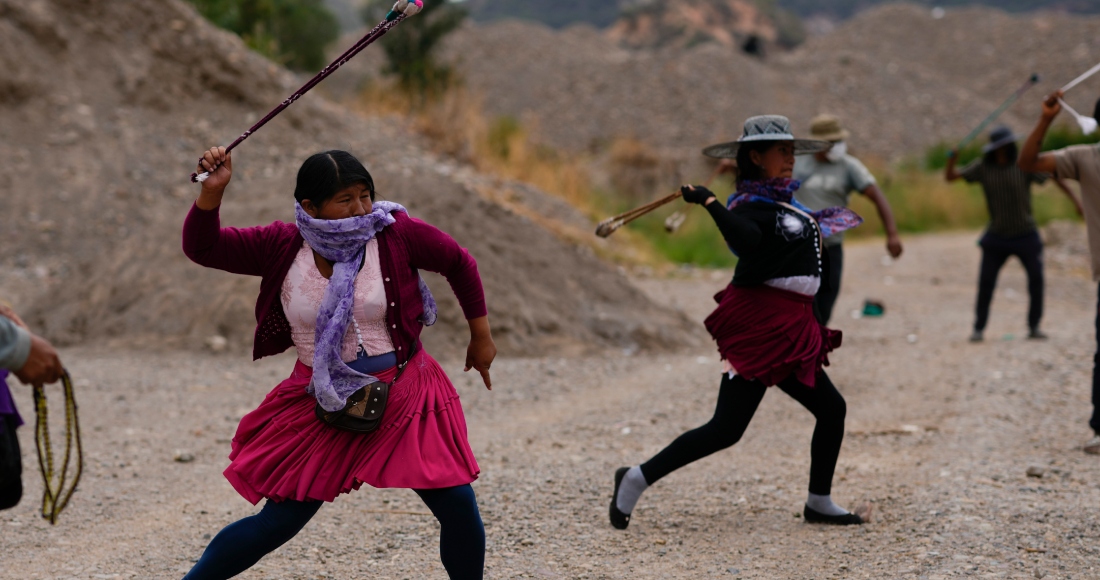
(766,128)
(827,128)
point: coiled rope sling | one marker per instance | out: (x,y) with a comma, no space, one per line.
(56,497)
(401,10)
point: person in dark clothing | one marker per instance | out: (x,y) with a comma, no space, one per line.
(1012,230)
(764,324)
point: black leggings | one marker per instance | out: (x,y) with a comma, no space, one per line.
(738,399)
(825,299)
(996,250)
(11,465)
(241,544)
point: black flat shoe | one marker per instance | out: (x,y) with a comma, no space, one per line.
(816,517)
(619,520)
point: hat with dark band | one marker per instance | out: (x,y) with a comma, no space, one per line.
(1000,137)
(766,128)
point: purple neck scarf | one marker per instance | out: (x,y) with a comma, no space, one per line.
(831,220)
(343,242)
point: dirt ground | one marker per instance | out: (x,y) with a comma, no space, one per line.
(940,436)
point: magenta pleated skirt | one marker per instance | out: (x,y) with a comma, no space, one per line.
(282,451)
(768,334)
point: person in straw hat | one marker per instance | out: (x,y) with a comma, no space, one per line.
(764,323)
(828,179)
(1012,230)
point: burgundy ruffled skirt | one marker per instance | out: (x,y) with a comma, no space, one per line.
(282,451)
(768,334)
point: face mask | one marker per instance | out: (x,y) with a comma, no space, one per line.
(838,151)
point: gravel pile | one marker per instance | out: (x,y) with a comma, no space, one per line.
(104,107)
(899,78)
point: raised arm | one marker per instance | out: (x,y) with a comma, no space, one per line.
(949,172)
(740,233)
(205,242)
(1030,158)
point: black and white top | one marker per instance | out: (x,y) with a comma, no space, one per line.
(776,246)
(1007,191)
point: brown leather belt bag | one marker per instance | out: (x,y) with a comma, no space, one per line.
(364,409)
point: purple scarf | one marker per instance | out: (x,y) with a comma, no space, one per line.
(343,242)
(832,220)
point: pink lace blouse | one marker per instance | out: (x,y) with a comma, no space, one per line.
(301,295)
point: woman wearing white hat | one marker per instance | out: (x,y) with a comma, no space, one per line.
(764,324)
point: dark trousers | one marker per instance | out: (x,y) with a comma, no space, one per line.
(11,465)
(738,399)
(1095,421)
(241,544)
(832,262)
(995,252)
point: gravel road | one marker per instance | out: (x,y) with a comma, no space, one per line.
(941,436)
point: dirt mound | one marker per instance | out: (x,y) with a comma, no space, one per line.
(684,23)
(900,78)
(104,107)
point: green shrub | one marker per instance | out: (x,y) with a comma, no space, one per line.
(410,47)
(291,32)
(1059,136)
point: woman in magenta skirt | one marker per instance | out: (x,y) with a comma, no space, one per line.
(764,324)
(342,286)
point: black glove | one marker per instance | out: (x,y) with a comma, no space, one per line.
(697,195)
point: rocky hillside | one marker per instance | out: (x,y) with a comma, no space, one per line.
(901,79)
(847,8)
(104,107)
(685,23)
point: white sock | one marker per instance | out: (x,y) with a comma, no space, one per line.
(823,504)
(630,489)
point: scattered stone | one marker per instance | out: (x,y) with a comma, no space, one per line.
(1036,471)
(183,457)
(217,343)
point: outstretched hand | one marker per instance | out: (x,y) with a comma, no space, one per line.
(479,356)
(894,247)
(696,194)
(482,349)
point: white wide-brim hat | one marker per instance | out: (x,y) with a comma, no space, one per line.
(766,128)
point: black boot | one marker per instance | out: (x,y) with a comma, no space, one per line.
(815,517)
(619,520)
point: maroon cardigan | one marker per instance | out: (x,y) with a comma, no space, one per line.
(404,247)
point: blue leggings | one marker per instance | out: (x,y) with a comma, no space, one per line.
(241,544)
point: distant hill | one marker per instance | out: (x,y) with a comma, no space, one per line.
(843,9)
(686,23)
(560,13)
(899,78)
